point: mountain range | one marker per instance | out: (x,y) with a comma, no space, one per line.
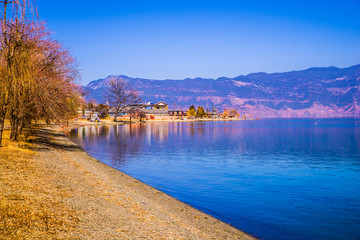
(311,93)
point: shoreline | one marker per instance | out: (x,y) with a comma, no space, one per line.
(219,230)
(90,200)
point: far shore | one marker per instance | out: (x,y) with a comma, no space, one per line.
(84,122)
(51,188)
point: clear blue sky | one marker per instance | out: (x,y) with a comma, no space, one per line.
(175,39)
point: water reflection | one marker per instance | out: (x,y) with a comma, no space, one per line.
(276,179)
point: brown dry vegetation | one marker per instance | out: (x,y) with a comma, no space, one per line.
(31,200)
(37,74)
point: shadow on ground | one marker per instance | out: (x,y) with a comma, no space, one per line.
(47,139)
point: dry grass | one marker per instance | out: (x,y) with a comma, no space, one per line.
(28,209)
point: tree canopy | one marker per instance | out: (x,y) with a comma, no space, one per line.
(191,112)
(37,75)
(200,112)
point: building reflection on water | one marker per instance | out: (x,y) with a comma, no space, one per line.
(121,142)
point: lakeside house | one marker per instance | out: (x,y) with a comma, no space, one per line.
(177,113)
(87,114)
(160,105)
(151,110)
(151,106)
(159,110)
(213,114)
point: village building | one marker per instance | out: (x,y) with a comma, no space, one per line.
(160,110)
(150,105)
(87,114)
(213,114)
(151,110)
(160,105)
(179,113)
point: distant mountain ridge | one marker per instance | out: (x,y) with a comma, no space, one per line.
(314,92)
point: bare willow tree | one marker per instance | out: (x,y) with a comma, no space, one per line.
(120,95)
(13,12)
(3,92)
(57,96)
(38,76)
(22,69)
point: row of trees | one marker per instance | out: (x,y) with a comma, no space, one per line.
(103,110)
(229,113)
(37,75)
(201,113)
(100,108)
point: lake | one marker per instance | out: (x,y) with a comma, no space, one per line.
(274,178)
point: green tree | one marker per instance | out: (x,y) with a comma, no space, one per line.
(103,110)
(90,106)
(191,112)
(200,112)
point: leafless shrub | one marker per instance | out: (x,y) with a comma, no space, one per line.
(120,94)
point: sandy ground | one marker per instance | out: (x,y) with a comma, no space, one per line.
(67,194)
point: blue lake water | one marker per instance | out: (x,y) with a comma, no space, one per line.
(274,179)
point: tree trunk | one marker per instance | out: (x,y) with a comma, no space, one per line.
(116,113)
(2,123)
(14,134)
(13,131)
(21,124)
